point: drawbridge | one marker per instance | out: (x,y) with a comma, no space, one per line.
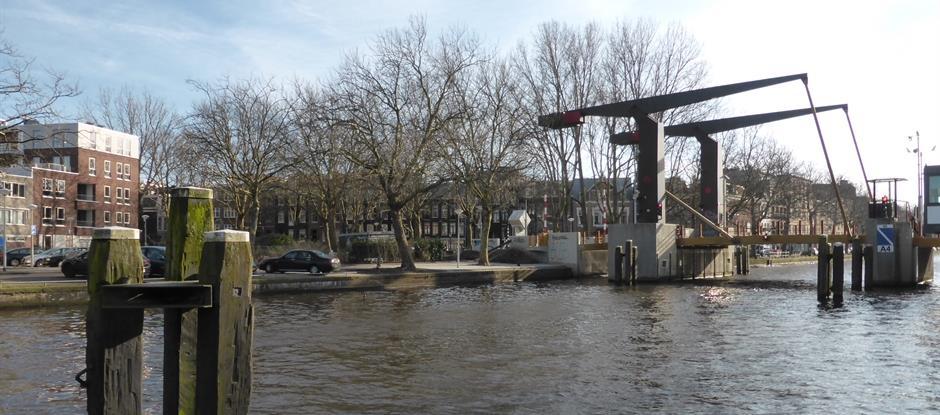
(657,250)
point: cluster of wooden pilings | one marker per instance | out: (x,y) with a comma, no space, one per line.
(830,272)
(208,315)
(624,264)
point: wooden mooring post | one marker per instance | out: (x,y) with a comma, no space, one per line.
(857,264)
(113,336)
(629,262)
(617,274)
(221,297)
(867,253)
(190,217)
(838,273)
(823,271)
(223,371)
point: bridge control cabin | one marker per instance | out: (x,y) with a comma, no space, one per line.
(892,231)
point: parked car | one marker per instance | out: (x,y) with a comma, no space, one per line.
(54,256)
(15,256)
(157,257)
(301,260)
(78,266)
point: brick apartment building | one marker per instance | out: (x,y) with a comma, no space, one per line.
(83,176)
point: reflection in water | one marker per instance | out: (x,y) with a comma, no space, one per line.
(754,345)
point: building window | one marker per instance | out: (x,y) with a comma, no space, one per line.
(59,216)
(127,218)
(280,217)
(60,188)
(47,215)
(92,168)
(107,194)
(107,168)
(47,187)
(107,216)
(127,171)
(127,196)
(229,213)
(120,170)
(107,143)
(14,189)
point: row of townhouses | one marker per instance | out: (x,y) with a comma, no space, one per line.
(64,180)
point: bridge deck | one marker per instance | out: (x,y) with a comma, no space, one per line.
(713,241)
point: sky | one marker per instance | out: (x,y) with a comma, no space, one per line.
(880,57)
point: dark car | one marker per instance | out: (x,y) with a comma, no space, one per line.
(78,266)
(157,257)
(15,256)
(301,260)
(54,256)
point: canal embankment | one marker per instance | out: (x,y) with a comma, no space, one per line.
(356,277)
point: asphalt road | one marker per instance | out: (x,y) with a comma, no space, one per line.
(32,274)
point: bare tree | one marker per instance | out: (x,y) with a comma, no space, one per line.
(327,174)
(395,104)
(241,133)
(641,60)
(560,73)
(485,149)
(26,94)
(149,118)
(759,171)
(158,128)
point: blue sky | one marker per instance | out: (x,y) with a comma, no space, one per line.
(881,57)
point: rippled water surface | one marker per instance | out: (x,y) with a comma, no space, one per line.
(761,345)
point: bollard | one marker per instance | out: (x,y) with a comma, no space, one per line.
(630,268)
(224,343)
(838,273)
(114,352)
(823,271)
(869,267)
(190,217)
(746,261)
(628,258)
(617,275)
(857,264)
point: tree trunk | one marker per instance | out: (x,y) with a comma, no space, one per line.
(407,260)
(256,211)
(486,215)
(332,238)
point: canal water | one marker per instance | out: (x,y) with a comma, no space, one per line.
(758,345)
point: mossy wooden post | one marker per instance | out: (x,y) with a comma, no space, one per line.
(223,376)
(838,273)
(857,264)
(114,354)
(629,262)
(823,270)
(190,218)
(616,275)
(869,275)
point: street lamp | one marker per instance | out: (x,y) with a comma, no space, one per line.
(3,217)
(920,177)
(145,217)
(32,231)
(458,211)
